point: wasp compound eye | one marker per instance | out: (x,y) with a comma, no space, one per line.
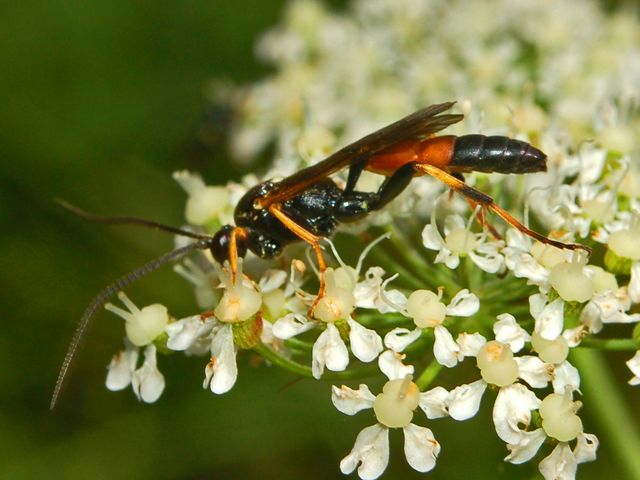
(221,243)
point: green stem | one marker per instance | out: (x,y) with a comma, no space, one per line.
(604,398)
(432,275)
(393,266)
(428,375)
(613,344)
(305,371)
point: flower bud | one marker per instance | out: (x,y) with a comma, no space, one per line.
(426,309)
(141,325)
(238,304)
(395,405)
(559,419)
(550,351)
(571,281)
(496,364)
(338,302)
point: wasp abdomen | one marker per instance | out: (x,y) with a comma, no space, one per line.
(496,154)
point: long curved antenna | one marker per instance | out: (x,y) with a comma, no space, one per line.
(92,217)
(100,300)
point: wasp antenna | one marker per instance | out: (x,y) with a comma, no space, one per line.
(92,217)
(100,300)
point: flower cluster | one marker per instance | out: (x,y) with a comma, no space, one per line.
(439,292)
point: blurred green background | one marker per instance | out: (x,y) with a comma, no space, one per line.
(100,102)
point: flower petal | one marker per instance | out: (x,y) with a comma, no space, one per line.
(464,400)
(330,351)
(634,366)
(586,447)
(445,349)
(291,325)
(420,447)
(434,402)
(121,368)
(470,344)
(350,401)
(507,330)
(366,344)
(550,322)
(561,464)
(526,447)
(221,372)
(371,451)
(400,338)
(184,333)
(272,279)
(431,238)
(565,375)
(511,409)
(391,365)
(490,262)
(463,304)
(147,382)
(533,371)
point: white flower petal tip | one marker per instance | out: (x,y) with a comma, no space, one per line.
(420,447)
(400,338)
(221,372)
(370,452)
(434,403)
(329,351)
(121,368)
(350,401)
(391,365)
(366,344)
(463,402)
(147,382)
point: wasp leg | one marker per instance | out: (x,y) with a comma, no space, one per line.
(394,185)
(355,170)
(237,232)
(488,203)
(312,239)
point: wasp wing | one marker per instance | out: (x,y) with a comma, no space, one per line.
(417,125)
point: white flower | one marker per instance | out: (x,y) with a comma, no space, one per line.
(459,241)
(393,409)
(512,419)
(427,311)
(221,372)
(147,381)
(206,204)
(204,282)
(142,325)
(190,334)
(329,349)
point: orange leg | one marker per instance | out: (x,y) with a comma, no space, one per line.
(312,239)
(479,198)
(233,250)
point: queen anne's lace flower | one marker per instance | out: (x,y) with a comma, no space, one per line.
(393,409)
(565,82)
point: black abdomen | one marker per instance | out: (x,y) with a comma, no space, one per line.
(496,154)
